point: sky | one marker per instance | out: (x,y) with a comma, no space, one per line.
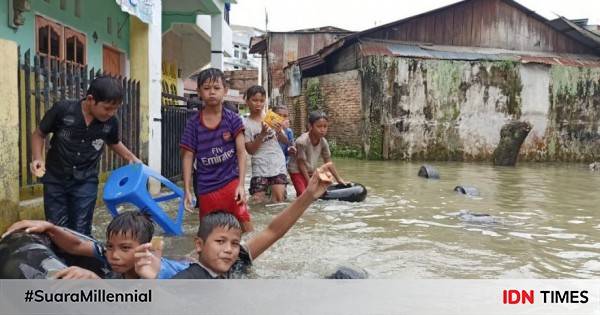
(358,15)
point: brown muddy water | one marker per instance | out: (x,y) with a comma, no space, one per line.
(545,223)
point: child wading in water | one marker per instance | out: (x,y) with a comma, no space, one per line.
(215,139)
(288,148)
(310,146)
(262,142)
(80,130)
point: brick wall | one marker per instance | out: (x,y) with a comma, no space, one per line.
(341,94)
(241,80)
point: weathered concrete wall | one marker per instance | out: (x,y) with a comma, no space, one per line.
(573,132)
(9,135)
(454,110)
(339,95)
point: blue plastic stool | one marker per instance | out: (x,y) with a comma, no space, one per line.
(128,184)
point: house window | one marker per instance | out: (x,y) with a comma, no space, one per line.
(244,55)
(109,25)
(74,46)
(78,8)
(49,38)
(236,53)
(58,42)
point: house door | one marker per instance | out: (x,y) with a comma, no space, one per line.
(111,61)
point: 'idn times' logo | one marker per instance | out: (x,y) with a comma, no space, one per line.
(513,296)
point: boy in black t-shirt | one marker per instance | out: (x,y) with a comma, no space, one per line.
(70,172)
(220,252)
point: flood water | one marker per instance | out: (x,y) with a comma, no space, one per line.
(544,223)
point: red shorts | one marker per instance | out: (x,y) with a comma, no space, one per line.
(223,199)
(299,182)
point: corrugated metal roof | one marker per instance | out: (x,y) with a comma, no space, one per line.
(309,61)
(375,47)
(401,49)
(258,44)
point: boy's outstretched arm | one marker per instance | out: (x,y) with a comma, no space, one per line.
(317,185)
(187,160)
(123,152)
(62,238)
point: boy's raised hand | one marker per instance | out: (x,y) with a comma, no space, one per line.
(30,226)
(321,179)
(264,131)
(147,261)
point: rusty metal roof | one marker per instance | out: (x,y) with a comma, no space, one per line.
(310,61)
(258,44)
(371,47)
(389,48)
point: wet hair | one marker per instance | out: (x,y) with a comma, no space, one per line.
(135,223)
(253,90)
(210,74)
(280,108)
(314,116)
(106,89)
(217,219)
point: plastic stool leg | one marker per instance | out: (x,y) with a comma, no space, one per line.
(162,219)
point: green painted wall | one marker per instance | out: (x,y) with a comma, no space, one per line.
(94,14)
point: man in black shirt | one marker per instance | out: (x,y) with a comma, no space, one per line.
(70,172)
(220,252)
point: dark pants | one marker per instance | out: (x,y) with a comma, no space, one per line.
(71,204)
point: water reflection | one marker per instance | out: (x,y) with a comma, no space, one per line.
(408,227)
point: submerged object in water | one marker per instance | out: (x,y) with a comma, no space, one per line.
(33,256)
(428,171)
(473,217)
(467,190)
(352,192)
(344,272)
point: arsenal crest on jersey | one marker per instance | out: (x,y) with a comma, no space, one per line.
(226,135)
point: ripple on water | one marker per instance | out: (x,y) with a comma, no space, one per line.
(576,255)
(552,229)
(528,236)
(594,246)
(350,226)
(563,236)
(576,221)
(423,223)
(592,265)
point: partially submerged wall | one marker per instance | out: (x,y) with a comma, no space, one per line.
(454,110)
(337,94)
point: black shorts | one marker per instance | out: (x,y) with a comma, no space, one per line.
(260,184)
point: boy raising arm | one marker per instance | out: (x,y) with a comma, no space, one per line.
(219,238)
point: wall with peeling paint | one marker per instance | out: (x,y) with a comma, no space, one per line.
(9,135)
(454,110)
